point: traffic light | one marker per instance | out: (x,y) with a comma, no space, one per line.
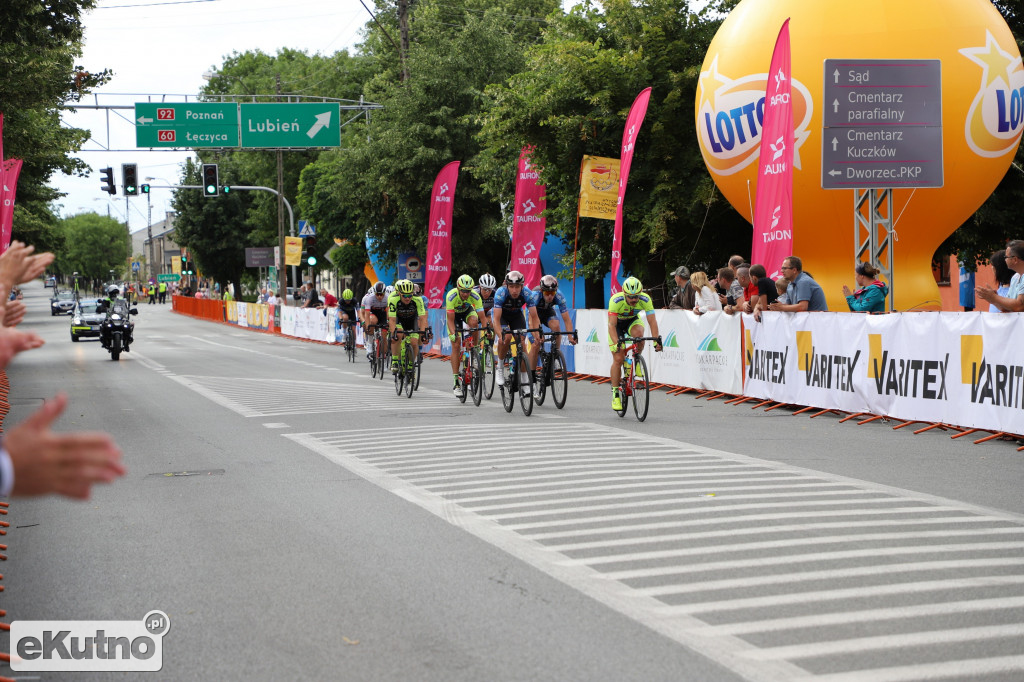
(226,189)
(310,256)
(145,188)
(130,178)
(185,265)
(107,176)
(211,187)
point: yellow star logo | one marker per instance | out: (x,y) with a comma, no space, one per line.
(995,62)
(710,81)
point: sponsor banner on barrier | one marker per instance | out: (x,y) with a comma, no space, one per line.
(243,314)
(956,368)
(288,319)
(700,351)
(231,312)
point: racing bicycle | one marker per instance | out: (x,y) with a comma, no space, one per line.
(552,371)
(634,382)
(470,370)
(515,367)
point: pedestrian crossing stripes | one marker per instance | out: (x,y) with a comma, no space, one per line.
(777,572)
(276,397)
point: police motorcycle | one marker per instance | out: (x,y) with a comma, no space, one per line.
(116,331)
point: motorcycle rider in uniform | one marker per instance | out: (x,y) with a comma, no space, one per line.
(114,303)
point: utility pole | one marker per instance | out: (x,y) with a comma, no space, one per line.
(403,38)
(149,233)
(282,279)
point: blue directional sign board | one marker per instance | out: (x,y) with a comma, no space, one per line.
(882,124)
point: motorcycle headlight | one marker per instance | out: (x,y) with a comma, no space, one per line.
(115,316)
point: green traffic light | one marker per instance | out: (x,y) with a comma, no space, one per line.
(227,189)
(311,261)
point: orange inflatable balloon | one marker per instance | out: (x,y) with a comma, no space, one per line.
(982,100)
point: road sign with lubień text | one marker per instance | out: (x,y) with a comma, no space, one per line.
(181,124)
(290,124)
(169,277)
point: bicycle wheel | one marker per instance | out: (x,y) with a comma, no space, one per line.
(559,379)
(383,356)
(373,357)
(409,369)
(641,390)
(464,376)
(350,342)
(624,391)
(489,370)
(419,368)
(540,388)
(507,388)
(526,393)
(399,378)
(476,384)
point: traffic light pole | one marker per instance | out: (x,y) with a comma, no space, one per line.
(282,281)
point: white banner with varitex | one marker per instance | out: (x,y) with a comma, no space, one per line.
(964,369)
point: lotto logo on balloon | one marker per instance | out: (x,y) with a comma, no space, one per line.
(731,114)
(996,116)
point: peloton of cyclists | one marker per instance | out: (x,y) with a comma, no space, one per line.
(463,306)
(624,311)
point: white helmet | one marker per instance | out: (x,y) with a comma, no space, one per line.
(487,281)
(388,290)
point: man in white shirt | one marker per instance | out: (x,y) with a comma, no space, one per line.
(1013,302)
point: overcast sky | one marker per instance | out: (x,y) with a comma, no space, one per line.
(163,47)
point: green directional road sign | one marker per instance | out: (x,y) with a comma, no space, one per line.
(291,124)
(168,278)
(181,124)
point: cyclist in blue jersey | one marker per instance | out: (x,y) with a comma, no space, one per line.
(509,301)
(485,287)
(548,299)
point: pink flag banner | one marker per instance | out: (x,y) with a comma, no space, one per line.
(527,224)
(633,122)
(1,137)
(439,241)
(9,171)
(773,205)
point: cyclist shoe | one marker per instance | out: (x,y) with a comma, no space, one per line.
(616,400)
(457,388)
(394,366)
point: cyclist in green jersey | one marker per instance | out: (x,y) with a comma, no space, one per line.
(624,311)
(462,305)
(405,312)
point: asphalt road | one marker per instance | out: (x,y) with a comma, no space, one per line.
(297,520)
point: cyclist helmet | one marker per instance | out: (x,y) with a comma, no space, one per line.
(548,283)
(347,295)
(514,277)
(113,292)
(389,290)
(632,287)
(405,287)
(465,282)
(487,281)
(379,288)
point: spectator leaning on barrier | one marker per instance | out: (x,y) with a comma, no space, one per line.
(749,285)
(1003,275)
(731,297)
(735,262)
(871,291)
(707,299)
(329,299)
(684,297)
(1013,302)
(803,293)
(766,290)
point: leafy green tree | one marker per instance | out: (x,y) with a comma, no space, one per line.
(572,99)
(40,43)
(380,187)
(95,245)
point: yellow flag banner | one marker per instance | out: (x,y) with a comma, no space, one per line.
(599,187)
(292,250)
